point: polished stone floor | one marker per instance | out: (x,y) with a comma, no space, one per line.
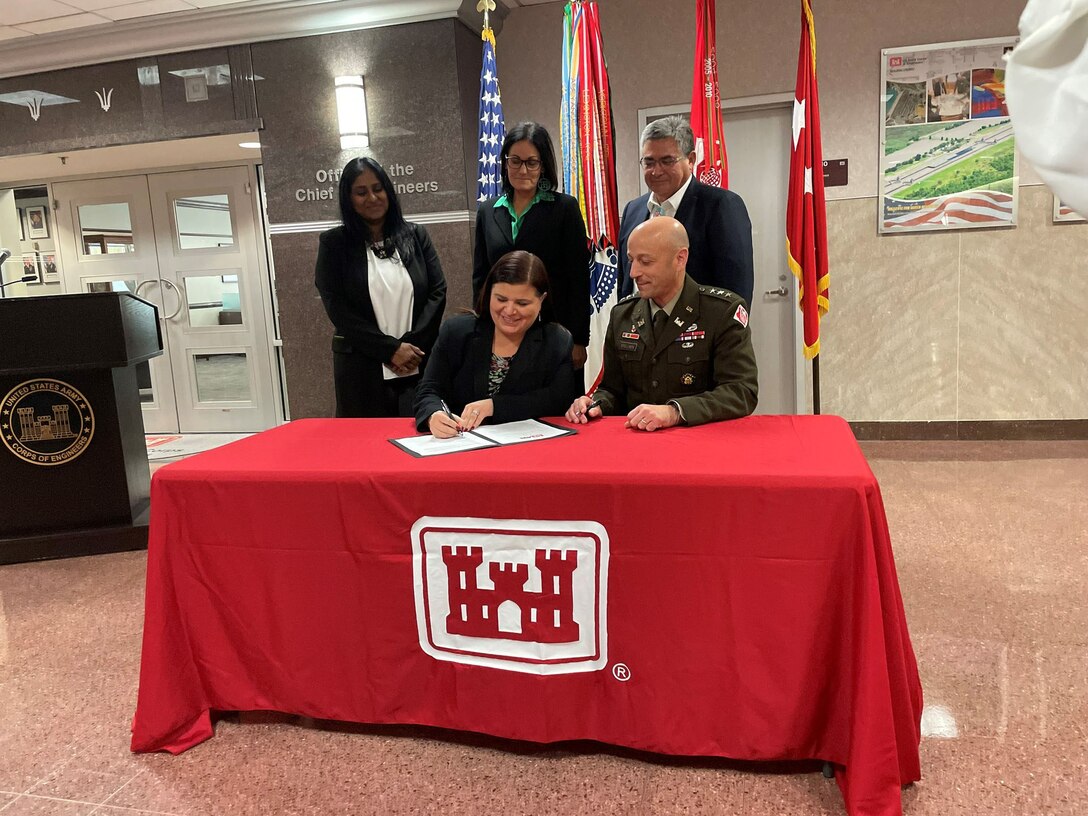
(991,542)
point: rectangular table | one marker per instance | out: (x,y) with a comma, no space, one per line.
(727,590)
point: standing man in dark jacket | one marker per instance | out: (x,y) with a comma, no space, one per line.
(716,220)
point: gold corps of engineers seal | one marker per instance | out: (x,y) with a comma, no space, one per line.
(46,422)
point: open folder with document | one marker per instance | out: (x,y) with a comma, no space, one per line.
(486,436)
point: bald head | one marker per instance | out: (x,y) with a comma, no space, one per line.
(664,229)
(658,254)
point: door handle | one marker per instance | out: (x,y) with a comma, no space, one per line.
(177,293)
(141,285)
(781,291)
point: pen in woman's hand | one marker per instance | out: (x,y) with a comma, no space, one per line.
(446,410)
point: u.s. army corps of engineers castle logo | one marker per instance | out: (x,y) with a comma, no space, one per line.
(514,594)
(46,422)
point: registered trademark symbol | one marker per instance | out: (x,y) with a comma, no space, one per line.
(621,672)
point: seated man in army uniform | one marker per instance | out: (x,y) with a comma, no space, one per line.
(677,352)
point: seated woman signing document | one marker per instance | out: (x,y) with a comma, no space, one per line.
(502,363)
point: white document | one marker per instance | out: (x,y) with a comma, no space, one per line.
(527,430)
(427,445)
(487,436)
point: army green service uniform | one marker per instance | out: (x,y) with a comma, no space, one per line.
(703,362)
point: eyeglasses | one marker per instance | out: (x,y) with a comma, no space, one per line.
(665,161)
(516,163)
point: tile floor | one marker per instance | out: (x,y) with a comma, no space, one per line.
(991,543)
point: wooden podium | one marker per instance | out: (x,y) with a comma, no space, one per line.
(73,461)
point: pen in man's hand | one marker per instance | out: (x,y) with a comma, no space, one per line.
(447,412)
(590,407)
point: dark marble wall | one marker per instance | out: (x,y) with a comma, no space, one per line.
(146,103)
(413,107)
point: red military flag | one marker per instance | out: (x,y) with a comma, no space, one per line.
(711,163)
(806,216)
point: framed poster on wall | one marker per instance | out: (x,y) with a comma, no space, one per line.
(947,150)
(1063,212)
(31,268)
(36,225)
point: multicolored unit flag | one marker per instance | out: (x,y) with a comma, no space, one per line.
(492,126)
(711,162)
(589,164)
(806,217)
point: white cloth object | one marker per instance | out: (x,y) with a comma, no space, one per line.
(393,297)
(1046,86)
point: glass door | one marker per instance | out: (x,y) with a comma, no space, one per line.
(218,334)
(187,242)
(106,239)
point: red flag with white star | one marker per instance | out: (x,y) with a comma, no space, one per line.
(806,217)
(711,163)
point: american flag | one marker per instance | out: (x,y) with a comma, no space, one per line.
(492,126)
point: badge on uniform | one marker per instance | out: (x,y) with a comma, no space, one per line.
(741,315)
(628,346)
(629,335)
(692,327)
(687,379)
(687,345)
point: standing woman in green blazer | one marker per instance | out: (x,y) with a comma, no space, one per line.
(382,286)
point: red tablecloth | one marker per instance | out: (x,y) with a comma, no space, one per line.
(733,592)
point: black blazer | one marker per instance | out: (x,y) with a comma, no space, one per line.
(553,231)
(341,278)
(719,234)
(540,382)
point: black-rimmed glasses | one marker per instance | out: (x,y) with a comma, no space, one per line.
(516,163)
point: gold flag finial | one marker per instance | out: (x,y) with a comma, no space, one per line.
(485,6)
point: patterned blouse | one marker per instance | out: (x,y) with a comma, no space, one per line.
(497,373)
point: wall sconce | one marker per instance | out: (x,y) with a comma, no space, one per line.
(351,111)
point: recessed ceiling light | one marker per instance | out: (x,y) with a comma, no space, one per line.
(254,145)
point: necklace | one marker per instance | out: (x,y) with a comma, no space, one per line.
(383,249)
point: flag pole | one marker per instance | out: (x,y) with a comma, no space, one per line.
(816,384)
(485,6)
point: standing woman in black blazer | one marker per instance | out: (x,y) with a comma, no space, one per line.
(503,363)
(384,291)
(534,216)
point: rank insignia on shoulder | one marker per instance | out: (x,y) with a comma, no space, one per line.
(716,291)
(633,296)
(741,315)
(687,379)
